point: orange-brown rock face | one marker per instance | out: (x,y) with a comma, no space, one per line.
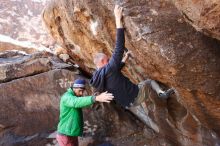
(203,15)
(165,48)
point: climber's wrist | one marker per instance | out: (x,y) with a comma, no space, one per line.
(119,24)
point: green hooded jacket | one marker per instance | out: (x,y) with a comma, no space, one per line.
(71,116)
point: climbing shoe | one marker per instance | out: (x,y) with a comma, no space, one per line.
(167,93)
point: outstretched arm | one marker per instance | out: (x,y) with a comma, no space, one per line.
(80,102)
(115,61)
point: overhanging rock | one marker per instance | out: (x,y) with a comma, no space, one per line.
(165,48)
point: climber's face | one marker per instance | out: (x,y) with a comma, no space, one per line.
(100,60)
(104,60)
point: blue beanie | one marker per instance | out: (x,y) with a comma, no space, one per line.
(79,83)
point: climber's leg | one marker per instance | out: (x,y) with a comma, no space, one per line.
(160,92)
(155,86)
(144,90)
(143,94)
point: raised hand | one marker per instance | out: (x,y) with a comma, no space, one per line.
(118,12)
(127,55)
(118,15)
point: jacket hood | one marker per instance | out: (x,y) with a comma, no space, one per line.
(69,90)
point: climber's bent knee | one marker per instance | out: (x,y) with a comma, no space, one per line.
(145,82)
(143,94)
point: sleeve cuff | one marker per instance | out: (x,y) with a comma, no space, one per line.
(93,99)
(122,64)
(120,29)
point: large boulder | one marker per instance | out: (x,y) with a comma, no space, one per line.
(16,64)
(165,48)
(30,89)
(29,107)
(202,15)
(30,95)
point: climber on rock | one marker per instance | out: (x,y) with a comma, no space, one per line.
(108,76)
(71,118)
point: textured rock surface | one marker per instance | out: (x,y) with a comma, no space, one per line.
(21,20)
(30,98)
(5,46)
(165,48)
(203,15)
(14,64)
(29,107)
